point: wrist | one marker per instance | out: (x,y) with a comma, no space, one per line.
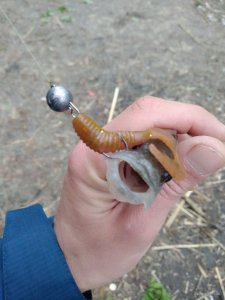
(73,254)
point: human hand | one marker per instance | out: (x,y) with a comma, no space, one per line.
(103,238)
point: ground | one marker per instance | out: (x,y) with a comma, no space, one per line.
(170,49)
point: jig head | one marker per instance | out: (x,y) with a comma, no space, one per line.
(60,99)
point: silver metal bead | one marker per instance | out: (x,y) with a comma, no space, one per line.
(59,98)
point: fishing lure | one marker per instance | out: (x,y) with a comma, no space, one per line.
(135,176)
(162,146)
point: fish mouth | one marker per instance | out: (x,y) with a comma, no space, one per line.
(131,178)
(134,176)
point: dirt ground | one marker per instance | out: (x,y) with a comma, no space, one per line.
(170,49)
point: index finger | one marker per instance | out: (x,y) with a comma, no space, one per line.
(150,112)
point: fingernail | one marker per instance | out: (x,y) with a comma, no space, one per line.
(204,160)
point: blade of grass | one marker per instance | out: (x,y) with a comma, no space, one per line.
(156,291)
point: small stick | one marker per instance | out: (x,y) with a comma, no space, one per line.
(188,213)
(183,246)
(186,287)
(202,271)
(206,297)
(191,36)
(214,182)
(203,196)
(175,214)
(220,281)
(219,244)
(198,284)
(194,206)
(113,105)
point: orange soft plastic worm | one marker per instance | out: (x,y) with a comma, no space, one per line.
(103,141)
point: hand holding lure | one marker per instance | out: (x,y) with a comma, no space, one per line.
(155,150)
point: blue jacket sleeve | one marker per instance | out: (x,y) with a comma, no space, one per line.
(32,265)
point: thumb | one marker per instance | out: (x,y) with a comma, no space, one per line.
(202,156)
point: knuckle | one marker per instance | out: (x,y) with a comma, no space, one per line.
(143,103)
(193,111)
(199,109)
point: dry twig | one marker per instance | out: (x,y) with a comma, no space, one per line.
(202,271)
(174,214)
(220,281)
(183,246)
(113,105)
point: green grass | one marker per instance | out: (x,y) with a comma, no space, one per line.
(108,297)
(156,291)
(87,1)
(46,14)
(66,19)
(61,11)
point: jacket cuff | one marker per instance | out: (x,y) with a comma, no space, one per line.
(34,266)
